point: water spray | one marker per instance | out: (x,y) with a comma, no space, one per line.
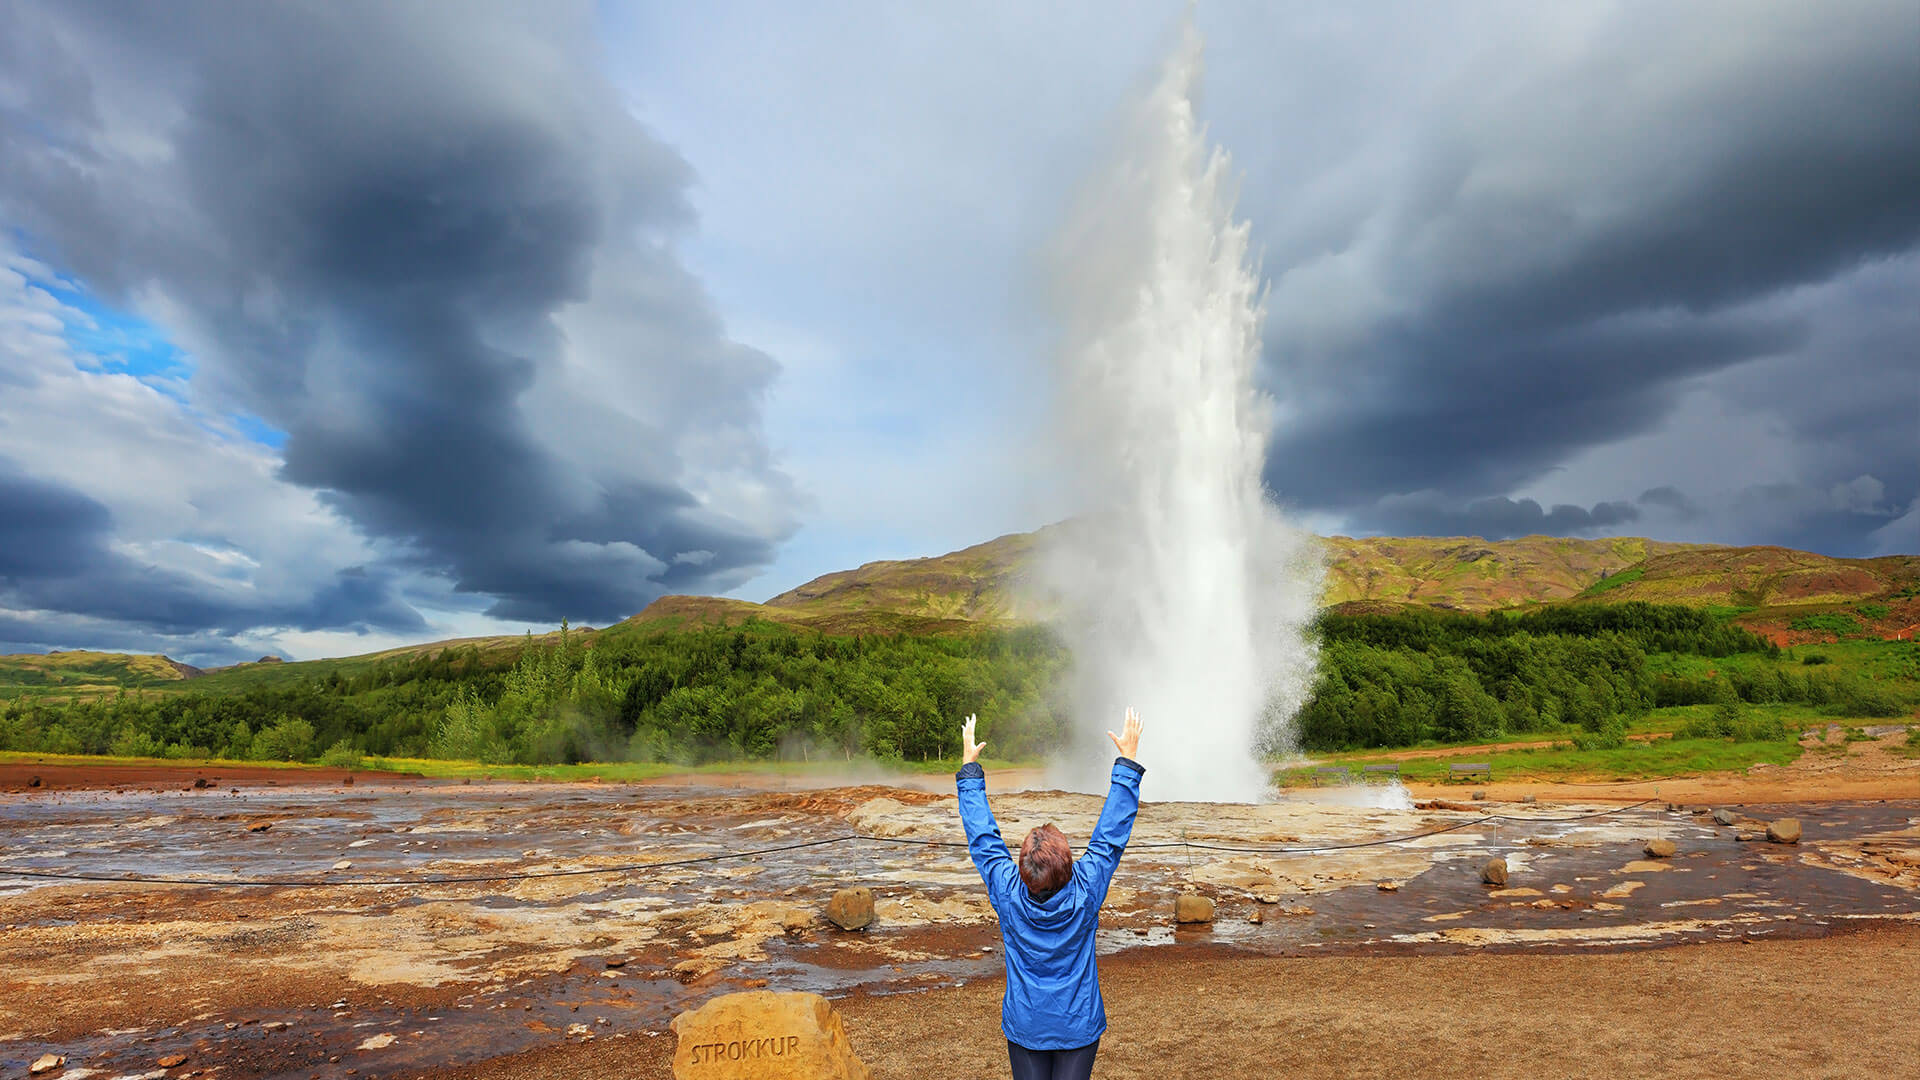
(1182,590)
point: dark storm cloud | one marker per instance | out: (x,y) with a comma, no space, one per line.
(368,222)
(1497,518)
(56,556)
(45,529)
(1549,268)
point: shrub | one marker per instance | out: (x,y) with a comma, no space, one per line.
(1814,659)
(288,740)
(1860,699)
(1610,735)
(1874,611)
(342,755)
(131,742)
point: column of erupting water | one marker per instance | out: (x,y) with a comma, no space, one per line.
(1182,590)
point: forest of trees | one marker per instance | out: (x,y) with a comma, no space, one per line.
(769,691)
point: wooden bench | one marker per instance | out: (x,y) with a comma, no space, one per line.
(1391,771)
(1467,770)
(1337,773)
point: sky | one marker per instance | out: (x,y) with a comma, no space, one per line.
(331,325)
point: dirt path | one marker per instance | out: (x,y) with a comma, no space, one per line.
(1833,1007)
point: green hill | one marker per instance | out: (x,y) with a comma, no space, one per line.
(79,672)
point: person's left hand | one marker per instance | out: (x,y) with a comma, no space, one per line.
(969,750)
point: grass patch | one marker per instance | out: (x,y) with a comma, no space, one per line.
(1614,581)
(438,769)
(1829,622)
(1635,761)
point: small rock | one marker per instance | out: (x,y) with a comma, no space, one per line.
(1495,872)
(1256,918)
(851,909)
(275,1025)
(1192,908)
(343,864)
(1724,816)
(1480,795)
(171,1060)
(378,1042)
(34,781)
(1784,831)
(349,780)
(260,826)
(1387,886)
(45,1063)
(579,1031)
(616,961)
(199,782)
(1660,848)
(1529,799)
(1749,837)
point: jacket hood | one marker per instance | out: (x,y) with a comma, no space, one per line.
(1057,910)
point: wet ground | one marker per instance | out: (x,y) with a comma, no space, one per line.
(333,979)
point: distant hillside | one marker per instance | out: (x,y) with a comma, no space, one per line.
(1792,597)
(80,673)
(1757,577)
(987,584)
(1471,574)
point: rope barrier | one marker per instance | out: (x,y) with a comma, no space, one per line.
(725,856)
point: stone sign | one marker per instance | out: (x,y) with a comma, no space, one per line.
(762,1035)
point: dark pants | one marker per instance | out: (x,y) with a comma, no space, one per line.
(1052,1064)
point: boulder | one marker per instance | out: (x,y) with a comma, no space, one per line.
(1191,907)
(1784,831)
(1495,872)
(1660,848)
(766,1036)
(851,909)
(34,781)
(172,1060)
(1724,816)
(1480,795)
(45,1063)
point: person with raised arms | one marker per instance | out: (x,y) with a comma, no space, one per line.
(1049,906)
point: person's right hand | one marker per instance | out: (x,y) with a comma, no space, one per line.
(969,750)
(1129,743)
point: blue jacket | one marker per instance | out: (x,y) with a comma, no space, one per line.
(1053,991)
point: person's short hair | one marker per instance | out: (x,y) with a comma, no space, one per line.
(1046,862)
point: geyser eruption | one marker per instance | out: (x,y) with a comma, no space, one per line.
(1182,590)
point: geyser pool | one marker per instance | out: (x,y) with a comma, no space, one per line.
(1181,589)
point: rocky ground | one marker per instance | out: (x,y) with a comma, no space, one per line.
(326,978)
(1839,1007)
